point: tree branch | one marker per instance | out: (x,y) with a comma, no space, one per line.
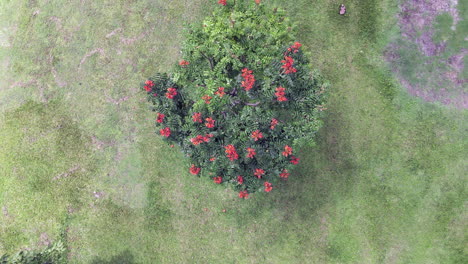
(254,104)
(210,60)
(235,102)
(234,92)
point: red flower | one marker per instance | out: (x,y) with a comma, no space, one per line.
(295,48)
(280,94)
(222,2)
(240,179)
(197,140)
(273,123)
(288,65)
(251,153)
(218,179)
(160,118)
(207,137)
(267,186)
(209,122)
(207,98)
(243,194)
(149,85)
(212,159)
(280,91)
(231,152)
(171,93)
(197,117)
(297,45)
(165,132)
(282,99)
(284,174)
(258,1)
(249,79)
(256,135)
(259,172)
(287,151)
(294,160)
(194,170)
(184,63)
(220,92)
(155,94)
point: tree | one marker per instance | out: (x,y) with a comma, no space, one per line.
(241,99)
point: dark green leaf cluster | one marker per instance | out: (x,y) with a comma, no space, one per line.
(237,39)
(51,255)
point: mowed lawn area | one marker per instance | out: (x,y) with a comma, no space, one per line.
(385,183)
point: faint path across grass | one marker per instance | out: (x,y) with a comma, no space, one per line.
(383,185)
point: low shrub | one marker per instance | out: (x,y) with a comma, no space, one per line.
(242,98)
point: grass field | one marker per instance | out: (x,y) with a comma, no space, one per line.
(385,183)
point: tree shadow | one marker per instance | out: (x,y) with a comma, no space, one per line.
(323,170)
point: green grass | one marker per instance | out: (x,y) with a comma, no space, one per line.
(442,27)
(385,183)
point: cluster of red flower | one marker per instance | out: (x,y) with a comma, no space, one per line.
(240,179)
(280,94)
(273,123)
(243,194)
(294,160)
(209,122)
(184,63)
(284,174)
(231,152)
(207,98)
(268,187)
(160,118)
(256,135)
(251,153)
(287,151)
(171,93)
(200,139)
(218,179)
(295,48)
(220,92)
(165,132)
(149,85)
(194,170)
(222,2)
(259,172)
(197,117)
(288,65)
(249,79)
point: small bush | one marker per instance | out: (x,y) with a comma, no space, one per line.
(241,99)
(55,253)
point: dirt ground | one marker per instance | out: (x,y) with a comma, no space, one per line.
(446,83)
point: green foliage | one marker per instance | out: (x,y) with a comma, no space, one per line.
(52,254)
(238,42)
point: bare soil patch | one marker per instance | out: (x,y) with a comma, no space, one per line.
(428,68)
